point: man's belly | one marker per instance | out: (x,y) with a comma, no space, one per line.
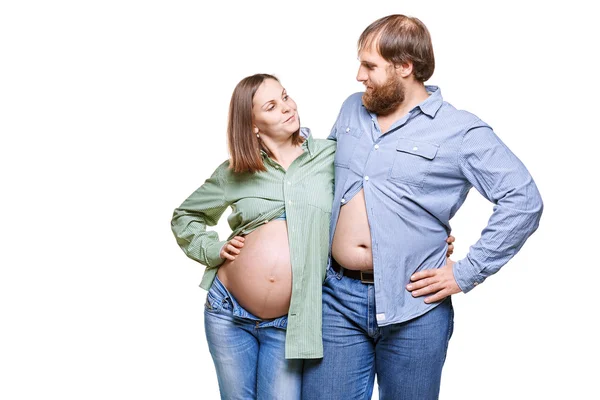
(260,278)
(351,245)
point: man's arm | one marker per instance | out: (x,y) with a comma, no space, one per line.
(501,178)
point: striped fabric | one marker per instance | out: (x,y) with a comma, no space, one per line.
(415,177)
(305,193)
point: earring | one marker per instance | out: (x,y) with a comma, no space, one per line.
(257,135)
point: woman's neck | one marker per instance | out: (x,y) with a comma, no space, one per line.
(283,152)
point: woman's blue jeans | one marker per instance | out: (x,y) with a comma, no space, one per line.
(407,358)
(248,353)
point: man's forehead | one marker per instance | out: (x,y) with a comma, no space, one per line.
(370,55)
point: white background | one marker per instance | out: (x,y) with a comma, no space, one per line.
(113,112)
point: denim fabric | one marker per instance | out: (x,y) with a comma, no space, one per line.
(407,357)
(248,353)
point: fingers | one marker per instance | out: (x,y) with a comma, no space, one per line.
(232,248)
(226,255)
(450,250)
(421,283)
(439,296)
(431,289)
(439,283)
(427,282)
(426,273)
(429,286)
(237,242)
(424,282)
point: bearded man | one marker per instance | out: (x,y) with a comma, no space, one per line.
(404,164)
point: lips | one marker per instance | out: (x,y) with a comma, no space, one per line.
(290,119)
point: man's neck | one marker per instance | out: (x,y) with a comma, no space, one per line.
(414,94)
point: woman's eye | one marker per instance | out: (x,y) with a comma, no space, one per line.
(286,97)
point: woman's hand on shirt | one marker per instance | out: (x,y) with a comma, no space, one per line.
(232,248)
(450,240)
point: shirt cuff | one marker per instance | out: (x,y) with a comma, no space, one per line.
(466,276)
(213,257)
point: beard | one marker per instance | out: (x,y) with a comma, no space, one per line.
(384,99)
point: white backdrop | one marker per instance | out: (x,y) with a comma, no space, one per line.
(113,112)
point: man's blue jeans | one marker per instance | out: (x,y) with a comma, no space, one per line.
(406,357)
(248,353)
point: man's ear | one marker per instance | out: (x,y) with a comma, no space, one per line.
(404,69)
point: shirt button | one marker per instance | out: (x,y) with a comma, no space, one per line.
(376,146)
(343,200)
(290,202)
(347,129)
(415,148)
(266,222)
(289,183)
(366,178)
(476,283)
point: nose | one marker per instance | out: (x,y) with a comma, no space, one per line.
(285,108)
(361,75)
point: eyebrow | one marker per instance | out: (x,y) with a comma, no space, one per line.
(368,64)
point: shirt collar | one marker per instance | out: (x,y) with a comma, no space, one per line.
(309,143)
(432,104)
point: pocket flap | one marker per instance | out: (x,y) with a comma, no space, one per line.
(423,149)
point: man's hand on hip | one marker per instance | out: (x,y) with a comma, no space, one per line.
(439,282)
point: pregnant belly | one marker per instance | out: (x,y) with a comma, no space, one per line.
(260,278)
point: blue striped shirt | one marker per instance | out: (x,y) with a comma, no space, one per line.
(415,177)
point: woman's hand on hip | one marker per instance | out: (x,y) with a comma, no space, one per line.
(232,248)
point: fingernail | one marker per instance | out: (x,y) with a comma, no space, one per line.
(409,287)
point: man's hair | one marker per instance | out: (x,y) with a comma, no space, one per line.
(244,146)
(400,39)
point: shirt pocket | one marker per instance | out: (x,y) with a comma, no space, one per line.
(412,161)
(347,140)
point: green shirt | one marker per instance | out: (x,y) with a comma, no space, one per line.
(305,192)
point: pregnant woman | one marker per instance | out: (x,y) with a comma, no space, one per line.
(263,309)
(267,276)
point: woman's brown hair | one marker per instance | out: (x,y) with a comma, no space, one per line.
(401,39)
(244,146)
